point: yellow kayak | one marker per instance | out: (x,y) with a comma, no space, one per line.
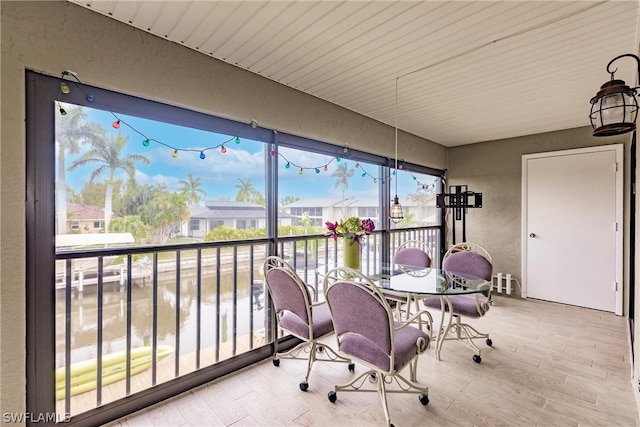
(114,367)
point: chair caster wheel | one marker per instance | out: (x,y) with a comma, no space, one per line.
(489,342)
(424,399)
(477,358)
(276,362)
(304,386)
(352,367)
(332,396)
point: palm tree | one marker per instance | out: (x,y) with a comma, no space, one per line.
(423,196)
(245,190)
(132,224)
(108,156)
(136,196)
(72,130)
(190,187)
(165,212)
(410,219)
(288,200)
(343,174)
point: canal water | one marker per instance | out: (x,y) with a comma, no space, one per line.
(175,317)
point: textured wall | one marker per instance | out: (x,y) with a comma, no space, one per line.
(52,36)
(495,169)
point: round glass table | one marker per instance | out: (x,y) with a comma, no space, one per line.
(410,285)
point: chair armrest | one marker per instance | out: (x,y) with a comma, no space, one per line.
(394,295)
(410,320)
(313,292)
(421,342)
(482,303)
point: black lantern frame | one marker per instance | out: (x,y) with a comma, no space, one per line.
(614,109)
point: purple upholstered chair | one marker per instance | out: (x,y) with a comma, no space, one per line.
(297,314)
(411,257)
(367,332)
(467,261)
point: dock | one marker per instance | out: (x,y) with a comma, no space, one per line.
(87,275)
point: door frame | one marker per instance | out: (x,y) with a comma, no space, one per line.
(619,154)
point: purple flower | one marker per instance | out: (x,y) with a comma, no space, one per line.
(331,227)
(368,226)
(352,228)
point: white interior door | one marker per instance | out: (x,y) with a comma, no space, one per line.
(572,227)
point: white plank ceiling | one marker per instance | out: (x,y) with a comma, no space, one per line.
(467,71)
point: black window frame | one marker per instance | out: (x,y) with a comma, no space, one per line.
(42,92)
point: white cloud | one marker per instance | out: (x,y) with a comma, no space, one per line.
(171,182)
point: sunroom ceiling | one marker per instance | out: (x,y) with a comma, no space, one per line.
(467,71)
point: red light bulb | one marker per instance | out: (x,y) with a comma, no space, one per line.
(116,124)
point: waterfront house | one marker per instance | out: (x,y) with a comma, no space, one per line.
(84,219)
(213,214)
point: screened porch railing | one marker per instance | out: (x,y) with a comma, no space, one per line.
(143,316)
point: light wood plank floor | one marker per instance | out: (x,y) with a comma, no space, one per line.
(550,365)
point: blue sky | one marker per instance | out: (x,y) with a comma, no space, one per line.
(219,172)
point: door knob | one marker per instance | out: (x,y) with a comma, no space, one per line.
(532,235)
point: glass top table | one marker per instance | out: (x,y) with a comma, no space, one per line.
(430,281)
(421,281)
(412,284)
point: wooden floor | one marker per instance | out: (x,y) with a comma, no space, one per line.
(550,365)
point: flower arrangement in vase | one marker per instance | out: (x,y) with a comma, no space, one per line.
(352,230)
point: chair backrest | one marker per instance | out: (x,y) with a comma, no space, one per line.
(413,254)
(344,273)
(363,322)
(470,259)
(288,292)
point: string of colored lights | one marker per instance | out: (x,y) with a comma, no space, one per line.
(119,121)
(146,140)
(325,167)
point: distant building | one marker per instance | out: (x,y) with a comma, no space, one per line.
(317,211)
(314,212)
(238,215)
(83,219)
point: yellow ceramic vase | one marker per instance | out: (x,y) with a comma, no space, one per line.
(351,254)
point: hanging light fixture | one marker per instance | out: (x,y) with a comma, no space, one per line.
(614,109)
(396,215)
